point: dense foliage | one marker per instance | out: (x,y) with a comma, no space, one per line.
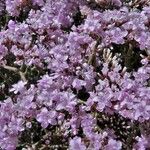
(74,74)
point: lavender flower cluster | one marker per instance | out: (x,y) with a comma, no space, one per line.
(74,74)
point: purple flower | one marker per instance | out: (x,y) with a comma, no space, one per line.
(141,109)
(9,143)
(15,125)
(57,38)
(116,35)
(76,143)
(77,83)
(46,117)
(113,145)
(38,2)
(66,101)
(12,6)
(143,40)
(3,51)
(18,87)
(142,143)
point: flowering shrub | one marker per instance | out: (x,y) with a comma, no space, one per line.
(74,74)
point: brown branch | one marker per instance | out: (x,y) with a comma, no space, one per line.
(10,68)
(34,146)
(92,58)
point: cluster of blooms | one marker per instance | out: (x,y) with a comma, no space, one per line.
(73,43)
